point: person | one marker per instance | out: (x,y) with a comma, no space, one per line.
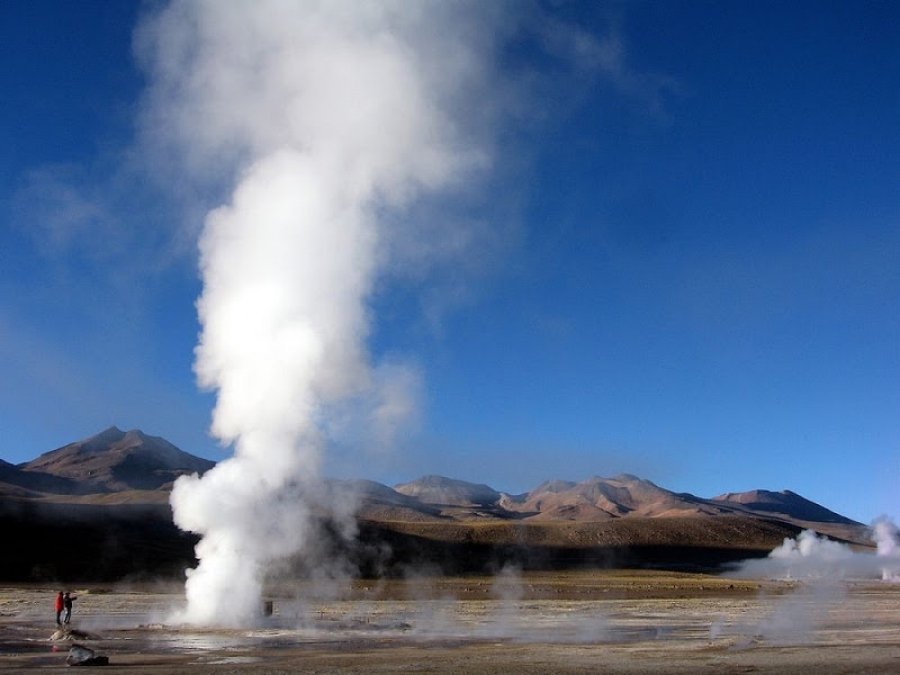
(59,606)
(68,598)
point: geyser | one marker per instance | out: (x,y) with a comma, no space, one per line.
(814,558)
(334,118)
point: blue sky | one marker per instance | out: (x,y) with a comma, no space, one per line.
(690,271)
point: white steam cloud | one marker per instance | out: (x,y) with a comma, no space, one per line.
(812,557)
(337,135)
(330,118)
(885,534)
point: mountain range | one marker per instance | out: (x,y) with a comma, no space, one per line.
(128,476)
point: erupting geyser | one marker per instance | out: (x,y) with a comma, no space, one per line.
(814,557)
(884,532)
(332,117)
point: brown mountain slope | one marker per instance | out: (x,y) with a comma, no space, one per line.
(115,460)
(784,503)
(622,497)
(374,501)
(449,492)
(603,498)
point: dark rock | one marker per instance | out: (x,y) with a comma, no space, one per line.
(80,655)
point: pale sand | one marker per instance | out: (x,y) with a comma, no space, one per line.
(588,622)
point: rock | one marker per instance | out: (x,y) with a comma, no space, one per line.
(80,655)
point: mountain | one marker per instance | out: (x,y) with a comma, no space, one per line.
(784,503)
(377,502)
(116,466)
(604,498)
(114,461)
(599,499)
(111,490)
(449,492)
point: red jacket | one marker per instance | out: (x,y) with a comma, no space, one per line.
(59,602)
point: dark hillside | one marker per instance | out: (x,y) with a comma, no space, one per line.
(81,542)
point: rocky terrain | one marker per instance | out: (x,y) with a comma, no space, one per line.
(99,508)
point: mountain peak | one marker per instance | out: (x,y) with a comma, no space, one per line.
(109,432)
(115,460)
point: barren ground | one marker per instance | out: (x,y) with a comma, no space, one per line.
(573,622)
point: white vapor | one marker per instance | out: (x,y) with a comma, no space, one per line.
(885,534)
(812,557)
(331,118)
(338,135)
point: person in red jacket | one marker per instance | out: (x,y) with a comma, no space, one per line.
(59,607)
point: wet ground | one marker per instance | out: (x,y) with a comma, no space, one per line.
(572,623)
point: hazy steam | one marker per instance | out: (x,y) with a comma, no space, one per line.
(813,557)
(331,118)
(885,534)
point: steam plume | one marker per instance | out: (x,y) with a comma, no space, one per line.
(331,118)
(813,558)
(884,532)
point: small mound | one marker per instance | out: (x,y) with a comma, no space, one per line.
(62,634)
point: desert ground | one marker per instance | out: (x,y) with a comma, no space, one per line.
(572,622)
